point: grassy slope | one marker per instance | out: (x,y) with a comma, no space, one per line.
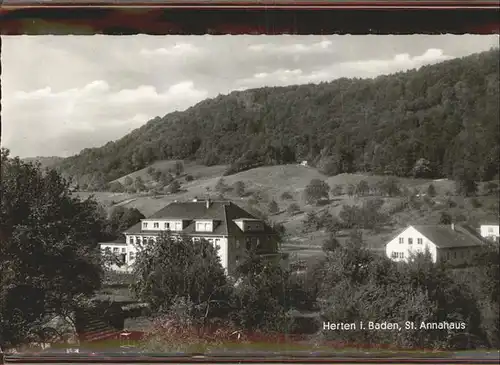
(274,180)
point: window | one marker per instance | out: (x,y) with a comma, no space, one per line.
(394,255)
(402,255)
(237,243)
(211,240)
(419,241)
(167,225)
(107,250)
(138,239)
(490,230)
(401,240)
(156,225)
(455,255)
(248,243)
(131,256)
(410,241)
(151,240)
(178,226)
(124,249)
(131,240)
(144,224)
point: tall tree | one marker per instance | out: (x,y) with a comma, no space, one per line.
(49,248)
(176,267)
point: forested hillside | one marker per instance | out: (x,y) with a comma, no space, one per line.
(438,121)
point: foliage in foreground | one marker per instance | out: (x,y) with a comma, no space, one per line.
(49,248)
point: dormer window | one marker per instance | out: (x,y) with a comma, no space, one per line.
(167,226)
(144,224)
(156,225)
(203,226)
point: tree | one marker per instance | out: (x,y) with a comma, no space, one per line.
(261,297)
(139,184)
(273,207)
(293,209)
(465,185)
(176,267)
(286,196)
(166,178)
(174,187)
(120,219)
(422,169)
(337,190)
(362,188)
(351,189)
(389,186)
(239,188)
(491,188)
(431,190)
(221,186)
(330,244)
(316,190)
(151,170)
(42,224)
(179,168)
(445,218)
(116,187)
(128,181)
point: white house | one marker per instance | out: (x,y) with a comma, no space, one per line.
(451,243)
(490,231)
(224,224)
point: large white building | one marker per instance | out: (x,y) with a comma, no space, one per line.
(490,231)
(451,243)
(224,224)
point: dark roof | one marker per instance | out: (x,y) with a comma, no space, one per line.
(223,212)
(191,210)
(443,236)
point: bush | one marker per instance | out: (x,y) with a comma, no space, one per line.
(337,190)
(293,209)
(316,190)
(239,188)
(476,203)
(189,178)
(273,207)
(431,191)
(286,196)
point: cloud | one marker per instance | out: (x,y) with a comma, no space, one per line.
(323,46)
(364,68)
(94,109)
(179,49)
(64,93)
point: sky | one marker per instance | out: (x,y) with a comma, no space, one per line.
(61,94)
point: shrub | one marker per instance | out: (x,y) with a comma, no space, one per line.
(273,207)
(286,196)
(189,178)
(293,209)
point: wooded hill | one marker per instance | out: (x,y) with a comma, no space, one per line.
(437,121)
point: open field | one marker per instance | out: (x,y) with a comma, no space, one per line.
(272,181)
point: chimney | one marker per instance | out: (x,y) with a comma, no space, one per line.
(453,226)
(208,203)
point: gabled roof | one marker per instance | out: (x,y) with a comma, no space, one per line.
(443,236)
(223,212)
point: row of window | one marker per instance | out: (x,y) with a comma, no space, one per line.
(200,226)
(123,253)
(398,255)
(139,240)
(177,226)
(410,241)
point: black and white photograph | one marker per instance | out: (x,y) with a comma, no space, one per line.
(333,194)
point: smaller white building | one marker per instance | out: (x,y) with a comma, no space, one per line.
(490,231)
(451,243)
